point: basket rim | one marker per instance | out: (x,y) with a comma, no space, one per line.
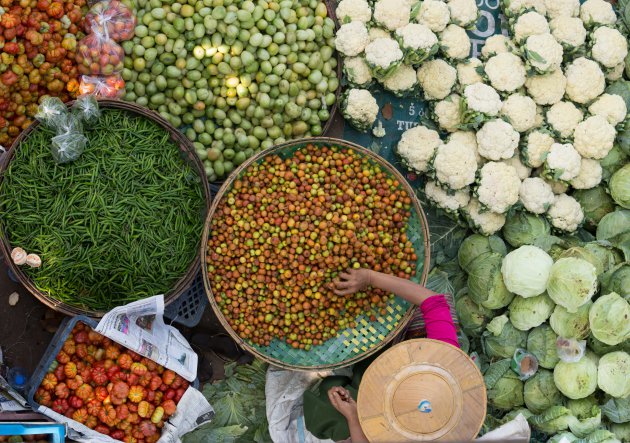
(184,145)
(228,184)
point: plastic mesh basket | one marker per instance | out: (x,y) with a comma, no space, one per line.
(189,307)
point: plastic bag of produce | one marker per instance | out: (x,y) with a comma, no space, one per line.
(98,54)
(113,17)
(111,86)
(570,350)
(86,109)
(51,112)
(69,142)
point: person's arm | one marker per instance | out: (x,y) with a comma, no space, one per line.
(342,401)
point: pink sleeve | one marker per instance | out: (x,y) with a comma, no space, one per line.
(438,321)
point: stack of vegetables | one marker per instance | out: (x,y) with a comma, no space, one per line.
(236,75)
(38,41)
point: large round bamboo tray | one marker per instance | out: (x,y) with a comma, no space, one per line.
(350,345)
(188,154)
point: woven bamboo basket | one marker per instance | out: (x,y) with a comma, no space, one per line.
(188,154)
(350,345)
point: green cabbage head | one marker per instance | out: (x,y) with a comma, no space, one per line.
(595,204)
(477,245)
(617,279)
(541,342)
(524,228)
(571,325)
(584,254)
(527,313)
(615,228)
(501,338)
(472,316)
(613,374)
(619,186)
(504,389)
(572,282)
(610,164)
(609,319)
(526,271)
(621,431)
(577,380)
(540,392)
(607,255)
(583,407)
(485,282)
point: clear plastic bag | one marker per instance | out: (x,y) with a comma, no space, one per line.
(570,350)
(111,86)
(69,143)
(113,17)
(97,54)
(86,109)
(51,112)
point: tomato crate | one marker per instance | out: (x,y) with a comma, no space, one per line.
(49,432)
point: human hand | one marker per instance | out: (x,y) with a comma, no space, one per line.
(351,281)
(342,401)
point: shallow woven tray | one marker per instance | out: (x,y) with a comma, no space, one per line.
(188,154)
(350,345)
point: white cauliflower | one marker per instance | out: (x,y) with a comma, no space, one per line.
(417,41)
(401,81)
(563,117)
(562,8)
(512,8)
(610,47)
(468,138)
(535,148)
(437,78)
(482,99)
(357,71)
(383,55)
(467,72)
(615,73)
(530,23)
(454,165)
(451,202)
(360,108)
(585,80)
(352,38)
(543,53)
(520,111)
(594,137)
(454,42)
(536,195)
(597,12)
(521,170)
(497,44)
(610,106)
(498,186)
(392,14)
(506,72)
(434,14)
(447,113)
(375,33)
(464,13)
(484,222)
(563,162)
(497,140)
(547,89)
(540,117)
(565,213)
(353,11)
(590,175)
(568,31)
(417,147)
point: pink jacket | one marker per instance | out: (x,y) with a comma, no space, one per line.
(438,321)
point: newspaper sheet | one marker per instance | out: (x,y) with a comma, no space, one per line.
(140,327)
(10,399)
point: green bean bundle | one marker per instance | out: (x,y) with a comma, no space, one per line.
(120,223)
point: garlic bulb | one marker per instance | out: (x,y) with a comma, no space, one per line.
(18,255)
(33,260)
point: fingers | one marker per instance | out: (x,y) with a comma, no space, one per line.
(343,284)
(344,291)
(346,275)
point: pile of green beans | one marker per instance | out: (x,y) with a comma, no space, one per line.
(121,223)
(236,75)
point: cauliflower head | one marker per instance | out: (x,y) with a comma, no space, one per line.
(568,31)
(497,44)
(594,137)
(415,36)
(497,140)
(467,72)
(352,38)
(464,13)
(392,14)
(498,186)
(610,106)
(375,33)
(543,53)
(530,23)
(506,72)
(437,78)
(401,81)
(447,113)
(360,108)
(454,42)
(585,80)
(483,99)
(512,8)
(563,117)
(357,71)
(590,175)
(520,111)
(450,202)
(468,138)
(482,221)
(547,89)
(597,12)
(536,145)
(434,14)
(523,171)
(565,213)
(562,8)
(563,162)
(615,73)
(536,195)
(383,55)
(417,147)
(353,11)
(610,47)
(454,165)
